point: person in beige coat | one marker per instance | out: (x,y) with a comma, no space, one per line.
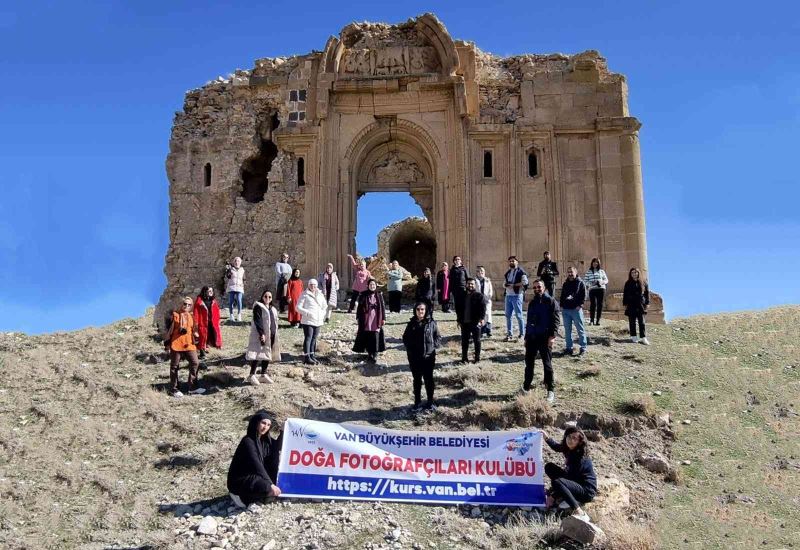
(264,345)
(329,285)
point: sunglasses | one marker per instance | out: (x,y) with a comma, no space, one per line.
(187,305)
(420,309)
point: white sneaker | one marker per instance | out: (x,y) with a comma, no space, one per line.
(644,341)
(563,505)
(551,397)
(635,339)
(253,379)
(265,379)
(583,517)
(177,394)
(239,318)
(198,391)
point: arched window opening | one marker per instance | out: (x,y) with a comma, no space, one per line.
(255,170)
(533,165)
(207,175)
(301,171)
(487,164)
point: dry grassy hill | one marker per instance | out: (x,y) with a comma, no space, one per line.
(93,454)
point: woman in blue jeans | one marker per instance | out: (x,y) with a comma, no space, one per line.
(577,483)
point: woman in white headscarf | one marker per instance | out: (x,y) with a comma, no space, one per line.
(312,307)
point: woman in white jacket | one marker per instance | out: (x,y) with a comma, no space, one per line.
(329,285)
(312,307)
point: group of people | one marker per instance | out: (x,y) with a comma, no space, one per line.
(251,478)
(196,324)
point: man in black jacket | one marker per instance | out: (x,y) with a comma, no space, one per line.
(540,332)
(547,272)
(573,294)
(458,286)
(473,311)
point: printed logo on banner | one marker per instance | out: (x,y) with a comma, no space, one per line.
(521,444)
(308,434)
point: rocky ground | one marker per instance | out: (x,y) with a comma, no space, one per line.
(698,431)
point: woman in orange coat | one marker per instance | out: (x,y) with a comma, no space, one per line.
(180,341)
(293,290)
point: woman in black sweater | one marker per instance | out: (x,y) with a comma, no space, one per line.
(577,484)
(254,467)
(426,290)
(421,338)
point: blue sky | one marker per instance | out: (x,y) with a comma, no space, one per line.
(90,89)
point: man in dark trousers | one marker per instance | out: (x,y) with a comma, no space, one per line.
(540,332)
(458,286)
(472,319)
(547,272)
(573,294)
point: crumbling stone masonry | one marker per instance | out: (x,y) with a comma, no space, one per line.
(504,156)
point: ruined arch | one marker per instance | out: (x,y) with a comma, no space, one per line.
(395,155)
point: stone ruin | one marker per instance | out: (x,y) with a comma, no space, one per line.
(504,156)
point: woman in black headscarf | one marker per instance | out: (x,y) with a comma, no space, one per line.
(426,290)
(254,468)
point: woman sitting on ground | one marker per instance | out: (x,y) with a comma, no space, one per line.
(263,346)
(254,467)
(421,338)
(577,484)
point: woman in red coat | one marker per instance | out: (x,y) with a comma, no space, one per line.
(293,290)
(206,319)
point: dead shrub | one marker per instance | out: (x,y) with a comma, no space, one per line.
(589,372)
(220,378)
(638,406)
(624,535)
(674,476)
(525,411)
(521,533)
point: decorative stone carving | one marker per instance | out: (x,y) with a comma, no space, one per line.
(389,61)
(393,169)
(357,63)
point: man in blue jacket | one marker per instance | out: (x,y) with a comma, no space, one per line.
(540,332)
(573,294)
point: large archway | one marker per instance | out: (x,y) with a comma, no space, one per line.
(397,155)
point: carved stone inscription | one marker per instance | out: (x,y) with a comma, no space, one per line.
(393,169)
(392,60)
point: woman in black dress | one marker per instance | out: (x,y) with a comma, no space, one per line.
(254,467)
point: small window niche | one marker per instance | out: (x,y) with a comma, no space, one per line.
(533,164)
(488,165)
(207,175)
(301,172)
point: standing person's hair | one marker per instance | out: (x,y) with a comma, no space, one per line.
(579,452)
(296,273)
(630,274)
(428,271)
(599,265)
(264,293)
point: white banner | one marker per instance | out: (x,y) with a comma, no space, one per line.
(356,462)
